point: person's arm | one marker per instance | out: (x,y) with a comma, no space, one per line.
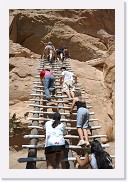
(83,162)
(73,104)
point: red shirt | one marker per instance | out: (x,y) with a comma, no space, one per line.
(45,73)
(42,73)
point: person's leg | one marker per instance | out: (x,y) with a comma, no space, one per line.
(67,91)
(68,94)
(46,87)
(61,56)
(79,126)
(85,134)
(51,83)
(58,158)
(86,125)
(72,94)
(72,88)
(50,158)
(51,55)
(80,132)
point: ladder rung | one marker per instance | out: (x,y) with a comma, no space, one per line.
(42,95)
(66,136)
(91,128)
(30,159)
(68,128)
(56,92)
(60,107)
(62,120)
(58,101)
(52,107)
(67,146)
(43,112)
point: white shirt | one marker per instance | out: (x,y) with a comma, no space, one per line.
(67,75)
(54,136)
(93,161)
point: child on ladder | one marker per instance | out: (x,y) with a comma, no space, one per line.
(82,118)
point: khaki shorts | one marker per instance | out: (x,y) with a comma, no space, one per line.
(68,85)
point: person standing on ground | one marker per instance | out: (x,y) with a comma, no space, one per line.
(68,83)
(97,158)
(49,51)
(49,80)
(55,142)
(82,118)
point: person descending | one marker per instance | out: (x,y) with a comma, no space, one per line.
(55,142)
(49,51)
(82,118)
(98,158)
(49,80)
(68,83)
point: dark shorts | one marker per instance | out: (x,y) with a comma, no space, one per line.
(52,149)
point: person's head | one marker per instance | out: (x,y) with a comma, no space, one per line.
(63,68)
(96,146)
(79,95)
(56,118)
(47,68)
(103,158)
(49,43)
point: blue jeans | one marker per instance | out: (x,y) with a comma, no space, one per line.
(82,118)
(48,84)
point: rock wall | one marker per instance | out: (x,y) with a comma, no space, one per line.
(89,36)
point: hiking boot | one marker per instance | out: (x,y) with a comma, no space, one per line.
(81,142)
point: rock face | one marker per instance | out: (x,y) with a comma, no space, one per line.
(86,33)
(22,66)
(89,36)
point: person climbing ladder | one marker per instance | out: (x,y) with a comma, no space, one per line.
(49,80)
(55,142)
(82,118)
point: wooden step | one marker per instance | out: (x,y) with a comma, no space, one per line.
(62,120)
(43,112)
(67,146)
(60,107)
(58,101)
(31,159)
(66,136)
(68,128)
(52,97)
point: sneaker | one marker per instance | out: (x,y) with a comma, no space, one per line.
(87,143)
(49,100)
(81,142)
(53,92)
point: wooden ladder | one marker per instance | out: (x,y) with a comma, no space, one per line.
(41,113)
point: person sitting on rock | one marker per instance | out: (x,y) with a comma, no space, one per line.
(82,118)
(55,142)
(96,157)
(68,83)
(49,52)
(49,80)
